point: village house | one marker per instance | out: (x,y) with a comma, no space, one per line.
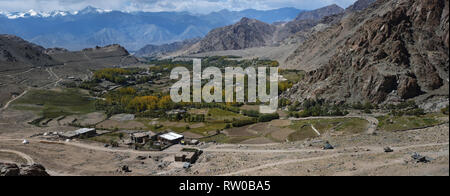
(171,138)
(143,137)
(85,132)
(188,157)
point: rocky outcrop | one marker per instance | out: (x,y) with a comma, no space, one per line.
(320,13)
(400,51)
(247,33)
(111,55)
(9,169)
(159,50)
(250,33)
(359,5)
(15,51)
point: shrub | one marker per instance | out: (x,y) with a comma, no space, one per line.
(251,113)
(268,117)
(445,110)
(367,111)
(241,123)
(415,112)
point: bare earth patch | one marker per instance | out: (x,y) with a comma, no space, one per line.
(282,134)
(191,135)
(281,123)
(258,140)
(112,124)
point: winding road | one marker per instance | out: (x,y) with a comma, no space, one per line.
(52,74)
(373,122)
(12,100)
(373,150)
(29,160)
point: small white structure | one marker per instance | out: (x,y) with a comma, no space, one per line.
(25,142)
(171,137)
(88,132)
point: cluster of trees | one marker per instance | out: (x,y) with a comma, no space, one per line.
(317,108)
(366,107)
(144,103)
(268,117)
(260,118)
(115,75)
(244,122)
(194,118)
(409,108)
(408,112)
(283,102)
(128,100)
(251,113)
(404,105)
(284,86)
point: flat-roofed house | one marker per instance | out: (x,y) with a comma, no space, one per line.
(189,157)
(85,132)
(142,137)
(171,137)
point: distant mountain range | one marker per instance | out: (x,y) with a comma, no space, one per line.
(253,33)
(92,27)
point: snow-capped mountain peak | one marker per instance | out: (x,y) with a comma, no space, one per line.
(33,13)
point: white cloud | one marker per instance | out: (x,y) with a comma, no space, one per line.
(194,6)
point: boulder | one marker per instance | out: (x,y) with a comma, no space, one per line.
(388,150)
(10,169)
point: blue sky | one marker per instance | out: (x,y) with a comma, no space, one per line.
(194,6)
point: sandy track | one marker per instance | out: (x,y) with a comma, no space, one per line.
(12,100)
(18,73)
(96,148)
(315,130)
(372,151)
(373,122)
(29,160)
(52,74)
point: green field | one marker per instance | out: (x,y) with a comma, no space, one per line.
(53,104)
(399,123)
(219,115)
(339,125)
(216,119)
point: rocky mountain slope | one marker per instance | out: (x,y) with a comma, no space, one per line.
(316,45)
(359,5)
(92,27)
(24,64)
(251,33)
(16,53)
(160,50)
(393,51)
(247,33)
(320,13)
(112,55)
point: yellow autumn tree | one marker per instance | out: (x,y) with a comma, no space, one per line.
(140,104)
(165,103)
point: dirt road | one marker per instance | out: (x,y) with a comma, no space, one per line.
(373,122)
(52,74)
(9,75)
(96,148)
(29,160)
(12,100)
(372,151)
